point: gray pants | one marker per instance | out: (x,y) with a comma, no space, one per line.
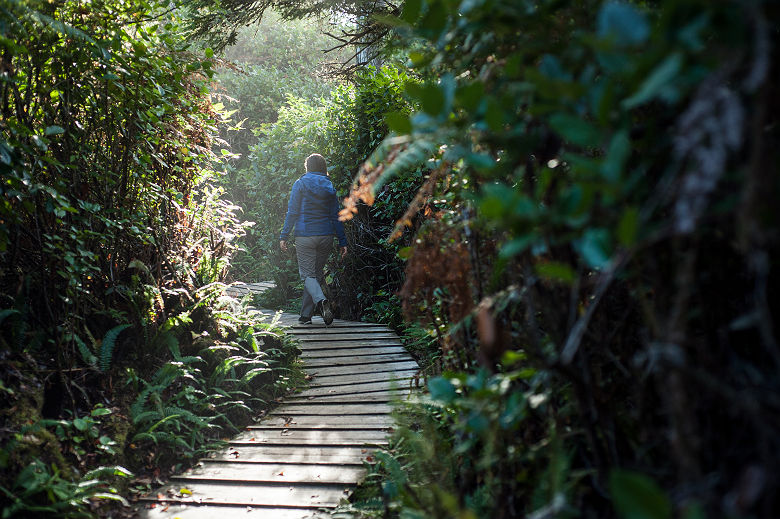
(312,252)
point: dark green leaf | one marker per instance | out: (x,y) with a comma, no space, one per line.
(595,247)
(405,253)
(575,130)
(636,496)
(411,10)
(80,424)
(628,227)
(435,19)
(622,21)
(657,82)
(399,123)
(556,271)
(442,389)
(54,130)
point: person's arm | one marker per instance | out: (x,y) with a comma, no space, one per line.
(293,211)
(338,226)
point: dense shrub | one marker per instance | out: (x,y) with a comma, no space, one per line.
(113,243)
(604,173)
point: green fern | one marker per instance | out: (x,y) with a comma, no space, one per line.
(415,155)
(107,346)
(86,354)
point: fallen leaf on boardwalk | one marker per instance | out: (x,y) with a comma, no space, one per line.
(281,473)
(363,451)
(165,508)
(153,505)
(185,491)
(249,509)
(369,458)
(251,439)
(160,497)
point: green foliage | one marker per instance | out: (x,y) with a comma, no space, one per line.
(275,59)
(638,497)
(41,490)
(595,170)
(114,243)
(107,345)
(193,400)
(457,454)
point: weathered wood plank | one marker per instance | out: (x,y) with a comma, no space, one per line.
(378,397)
(336,323)
(335,353)
(334,454)
(340,330)
(325,409)
(364,369)
(348,337)
(356,361)
(370,386)
(273,472)
(338,380)
(308,436)
(191,511)
(258,494)
(362,422)
(307,346)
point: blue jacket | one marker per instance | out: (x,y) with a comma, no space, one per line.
(313,209)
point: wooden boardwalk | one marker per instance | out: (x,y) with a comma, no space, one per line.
(307,454)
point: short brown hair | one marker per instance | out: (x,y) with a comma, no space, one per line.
(316,162)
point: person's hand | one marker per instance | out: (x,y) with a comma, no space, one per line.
(343,251)
(283,245)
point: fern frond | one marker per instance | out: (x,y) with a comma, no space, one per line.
(107,345)
(8,311)
(87,356)
(415,155)
(145,417)
(166,339)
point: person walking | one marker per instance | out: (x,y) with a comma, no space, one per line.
(313,212)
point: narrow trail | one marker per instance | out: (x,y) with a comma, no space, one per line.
(307,454)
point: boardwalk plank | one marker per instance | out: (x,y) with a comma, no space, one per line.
(260,494)
(345,345)
(325,409)
(338,380)
(347,338)
(366,351)
(355,360)
(274,472)
(378,397)
(362,422)
(335,454)
(364,369)
(363,387)
(340,330)
(189,511)
(312,437)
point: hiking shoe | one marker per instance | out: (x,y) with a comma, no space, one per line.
(304,320)
(327,312)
